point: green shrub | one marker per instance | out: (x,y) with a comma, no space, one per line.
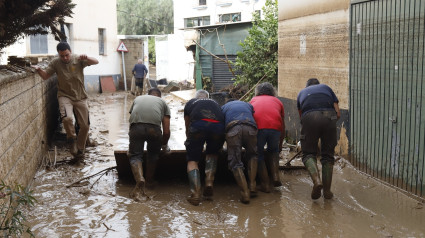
(12,199)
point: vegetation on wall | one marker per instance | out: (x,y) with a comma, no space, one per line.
(151,49)
(31,17)
(258,58)
(147,17)
(12,200)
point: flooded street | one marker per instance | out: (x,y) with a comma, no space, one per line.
(101,207)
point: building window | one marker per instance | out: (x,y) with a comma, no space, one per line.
(197,21)
(38,44)
(202,2)
(230,17)
(102,33)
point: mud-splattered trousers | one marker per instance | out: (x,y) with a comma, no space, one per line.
(202,132)
(241,135)
(139,134)
(67,109)
(319,125)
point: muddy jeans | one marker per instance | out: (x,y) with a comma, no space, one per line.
(67,109)
(139,134)
(237,137)
(319,125)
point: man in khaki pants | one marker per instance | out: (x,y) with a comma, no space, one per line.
(72,95)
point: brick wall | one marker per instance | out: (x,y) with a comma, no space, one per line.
(135,52)
(28,112)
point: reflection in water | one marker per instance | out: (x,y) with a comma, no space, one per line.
(102,207)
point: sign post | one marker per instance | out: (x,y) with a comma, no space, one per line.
(121,48)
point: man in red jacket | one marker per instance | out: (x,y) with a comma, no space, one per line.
(268,114)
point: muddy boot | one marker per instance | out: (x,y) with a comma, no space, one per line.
(139,190)
(264,177)
(327,170)
(150,173)
(241,181)
(72,142)
(252,174)
(195,187)
(210,168)
(275,169)
(311,166)
(78,159)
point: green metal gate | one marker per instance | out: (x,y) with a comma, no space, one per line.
(387,91)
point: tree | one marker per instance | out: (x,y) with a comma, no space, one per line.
(147,17)
(258,58)
(31,17)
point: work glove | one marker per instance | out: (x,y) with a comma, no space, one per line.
(165,148)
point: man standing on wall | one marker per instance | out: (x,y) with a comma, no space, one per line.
(204,123)
(72,95)
(139,71)
(148,113)
(319,111)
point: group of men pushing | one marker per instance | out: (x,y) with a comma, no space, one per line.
(249,125)
(242,125)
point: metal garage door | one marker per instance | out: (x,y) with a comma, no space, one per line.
(387,91)
(222,76)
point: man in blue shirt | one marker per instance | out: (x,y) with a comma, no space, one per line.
(319,111)
(241,131)
(139,71)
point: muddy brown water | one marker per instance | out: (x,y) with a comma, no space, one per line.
(362,206)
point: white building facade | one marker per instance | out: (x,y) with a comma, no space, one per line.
(202,13)
(89,31)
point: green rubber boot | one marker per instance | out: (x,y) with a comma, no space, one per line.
(195,187)
(327,169)
(210,168)
(311,166)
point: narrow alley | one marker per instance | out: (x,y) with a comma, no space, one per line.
(101,207)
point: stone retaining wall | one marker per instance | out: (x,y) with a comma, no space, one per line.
(28,113)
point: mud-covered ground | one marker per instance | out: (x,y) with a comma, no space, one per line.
(101,207)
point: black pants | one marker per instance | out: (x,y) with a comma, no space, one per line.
(319,125)
(139,134)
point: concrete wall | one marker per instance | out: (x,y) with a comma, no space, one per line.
(27,105)
(314,42)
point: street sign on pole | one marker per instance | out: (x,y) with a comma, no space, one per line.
(122,48)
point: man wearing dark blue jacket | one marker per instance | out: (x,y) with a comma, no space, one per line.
(319,111)
(241,131)
(139,71)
